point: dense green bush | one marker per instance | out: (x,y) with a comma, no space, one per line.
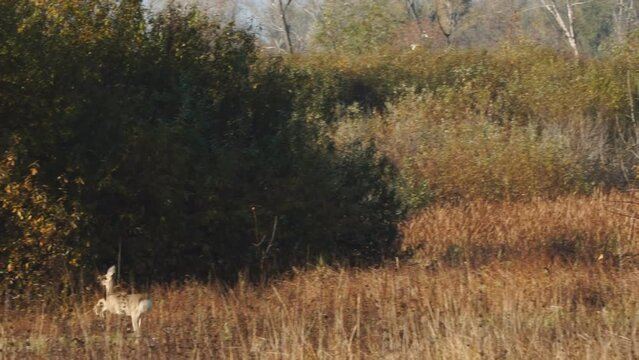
(180,146)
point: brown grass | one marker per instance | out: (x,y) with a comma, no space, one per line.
(570,229)
(510,306)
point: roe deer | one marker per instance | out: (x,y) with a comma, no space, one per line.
(121,303)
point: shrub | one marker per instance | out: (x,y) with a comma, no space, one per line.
(40,242)
(446,158)
(186,150)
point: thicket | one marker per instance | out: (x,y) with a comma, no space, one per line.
(178,144)
(518,122)
(172,141)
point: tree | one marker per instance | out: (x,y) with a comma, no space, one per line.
(358,26)
(172,135)
(490,23)
(224,11)
(283,6)
(284,26)
(625,17)
(415,11)
(448,14)
(565,22)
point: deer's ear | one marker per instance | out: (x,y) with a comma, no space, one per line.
(111,271)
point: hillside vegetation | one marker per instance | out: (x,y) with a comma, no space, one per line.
(387,203)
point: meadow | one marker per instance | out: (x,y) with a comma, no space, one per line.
(536,279)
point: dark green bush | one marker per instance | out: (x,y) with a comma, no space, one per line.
(183,149)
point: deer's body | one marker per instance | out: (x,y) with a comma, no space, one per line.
(121,303)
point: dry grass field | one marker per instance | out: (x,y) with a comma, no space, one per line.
(535,280)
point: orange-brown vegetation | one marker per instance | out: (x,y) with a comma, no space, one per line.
(537,279)
(596,229)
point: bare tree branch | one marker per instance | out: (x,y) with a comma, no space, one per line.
(567,25)
(283,6)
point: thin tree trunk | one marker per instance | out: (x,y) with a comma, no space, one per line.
(287,27)
(567,27)
(446,8)
(413,11)
(624,16)
(572,39)
(631,101)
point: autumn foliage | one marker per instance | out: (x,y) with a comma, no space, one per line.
(176,144)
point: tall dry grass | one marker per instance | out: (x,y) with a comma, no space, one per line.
(569,229)
(513,306)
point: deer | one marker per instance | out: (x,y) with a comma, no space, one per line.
(122,303)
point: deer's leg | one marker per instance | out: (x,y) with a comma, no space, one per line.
(139,321)
(134,321)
